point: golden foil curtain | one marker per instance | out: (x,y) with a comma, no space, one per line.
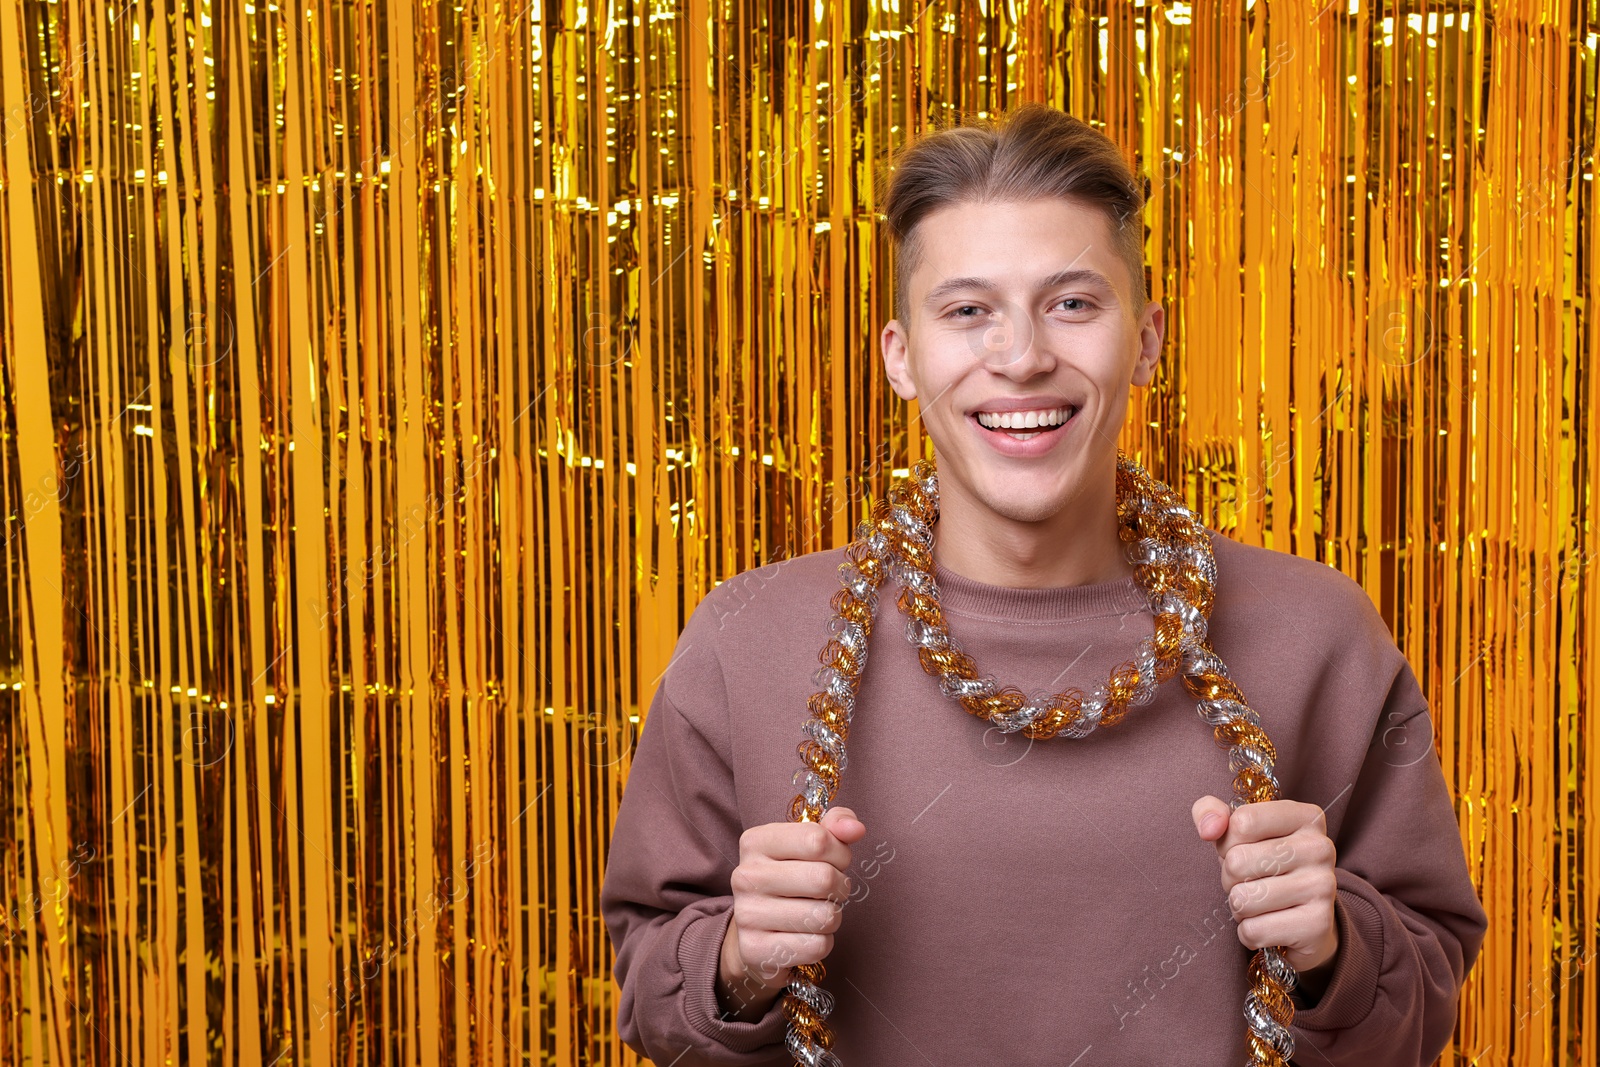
(384,383)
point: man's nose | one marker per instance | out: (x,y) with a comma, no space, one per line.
(1015,344)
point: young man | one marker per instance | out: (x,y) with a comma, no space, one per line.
(977,896)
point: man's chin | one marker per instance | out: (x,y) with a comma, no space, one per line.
(1025,507)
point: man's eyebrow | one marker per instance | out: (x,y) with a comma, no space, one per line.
(1072,275)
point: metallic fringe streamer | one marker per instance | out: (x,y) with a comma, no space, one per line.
(382,384)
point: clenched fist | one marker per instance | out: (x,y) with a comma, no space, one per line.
(1278,871)
(788,891)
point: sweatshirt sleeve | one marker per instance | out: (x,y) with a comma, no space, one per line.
(1410,922)
(666,897)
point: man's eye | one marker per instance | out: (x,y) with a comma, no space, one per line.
(968,307)
(1083,305)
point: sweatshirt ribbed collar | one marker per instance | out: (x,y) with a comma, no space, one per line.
(972,599)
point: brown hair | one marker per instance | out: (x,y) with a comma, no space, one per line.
(1030,153)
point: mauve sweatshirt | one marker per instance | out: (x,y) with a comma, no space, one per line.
(1043,902)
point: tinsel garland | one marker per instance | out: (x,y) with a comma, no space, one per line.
(1173,563)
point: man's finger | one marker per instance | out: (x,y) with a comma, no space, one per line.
(794,841)
(1294,930)
(1257,859)
(790,915)
(1270,819)
(1210,817)
(844,824)
(1280,892)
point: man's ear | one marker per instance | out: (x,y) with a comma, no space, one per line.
(893,342)
(1152,331)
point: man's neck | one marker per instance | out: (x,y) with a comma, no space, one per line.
(1078,546)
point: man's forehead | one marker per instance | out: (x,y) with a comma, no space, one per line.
(1007,249)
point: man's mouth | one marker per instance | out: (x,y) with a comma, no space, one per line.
(1023,425)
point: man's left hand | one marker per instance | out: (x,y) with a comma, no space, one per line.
(1277,869)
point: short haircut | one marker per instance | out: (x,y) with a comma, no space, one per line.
(1032,152)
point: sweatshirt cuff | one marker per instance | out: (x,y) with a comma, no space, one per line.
(699,956)
(1353,985)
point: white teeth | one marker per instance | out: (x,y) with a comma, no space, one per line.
(1021,420)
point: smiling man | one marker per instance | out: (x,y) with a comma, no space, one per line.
(1028,324)
(1032,889)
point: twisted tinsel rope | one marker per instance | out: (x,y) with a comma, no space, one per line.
(1174,565)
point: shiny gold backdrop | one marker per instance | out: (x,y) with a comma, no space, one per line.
(384,383)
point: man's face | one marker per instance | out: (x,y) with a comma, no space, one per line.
(1023,309)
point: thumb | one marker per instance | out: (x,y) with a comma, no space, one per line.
(1211,818)
(843,824)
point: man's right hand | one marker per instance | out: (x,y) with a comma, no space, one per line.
(788,892)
